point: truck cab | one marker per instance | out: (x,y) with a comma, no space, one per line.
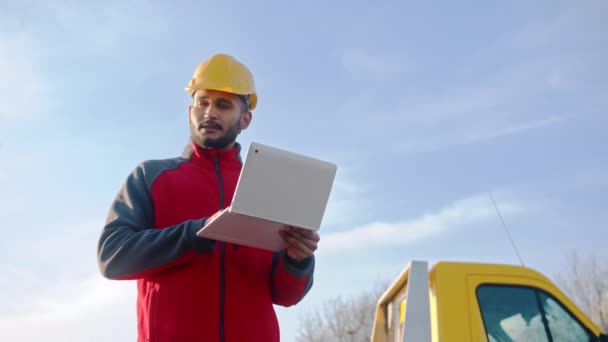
(474,302)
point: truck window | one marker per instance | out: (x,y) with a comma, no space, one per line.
(562,325)
(398,307)
(517,313)
(511,314)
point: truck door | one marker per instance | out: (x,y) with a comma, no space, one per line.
(512,309)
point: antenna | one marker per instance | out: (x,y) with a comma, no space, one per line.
(506,229)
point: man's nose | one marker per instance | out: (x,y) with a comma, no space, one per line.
(210,113)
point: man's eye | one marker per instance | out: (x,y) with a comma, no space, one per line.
(223,105)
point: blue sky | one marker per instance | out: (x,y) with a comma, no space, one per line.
(424,107)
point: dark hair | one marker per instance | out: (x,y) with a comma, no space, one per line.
(246,100)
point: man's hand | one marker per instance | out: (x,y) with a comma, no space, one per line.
(301,243)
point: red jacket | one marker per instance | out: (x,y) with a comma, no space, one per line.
(192,289)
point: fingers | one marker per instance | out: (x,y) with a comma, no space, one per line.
(301,243)
(305,236)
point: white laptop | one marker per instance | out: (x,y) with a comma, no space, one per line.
(275,188)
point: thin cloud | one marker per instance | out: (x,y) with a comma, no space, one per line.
(99,309)
(517,129)
(505,92)
(461,213)
(67,302)
(511,87)
(345,204)
(491,106)
(412,146)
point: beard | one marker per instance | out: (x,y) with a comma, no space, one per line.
(221,142)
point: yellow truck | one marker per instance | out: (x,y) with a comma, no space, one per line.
(478,302)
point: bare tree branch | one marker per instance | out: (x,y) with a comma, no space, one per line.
(586,282)
(342,319)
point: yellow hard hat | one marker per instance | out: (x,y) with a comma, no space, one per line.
(224,73)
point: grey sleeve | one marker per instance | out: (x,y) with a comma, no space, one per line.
(129,247)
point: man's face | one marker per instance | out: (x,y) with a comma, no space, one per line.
(217,118)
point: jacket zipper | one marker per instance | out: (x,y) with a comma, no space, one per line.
(222,251)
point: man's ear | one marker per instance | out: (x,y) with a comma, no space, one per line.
(246,120)
(190,113)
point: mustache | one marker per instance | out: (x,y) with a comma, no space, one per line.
(210,124)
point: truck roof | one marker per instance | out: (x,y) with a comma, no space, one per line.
(462,269)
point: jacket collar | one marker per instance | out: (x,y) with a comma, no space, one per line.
(194,152)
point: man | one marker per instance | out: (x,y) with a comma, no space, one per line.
(191,288)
